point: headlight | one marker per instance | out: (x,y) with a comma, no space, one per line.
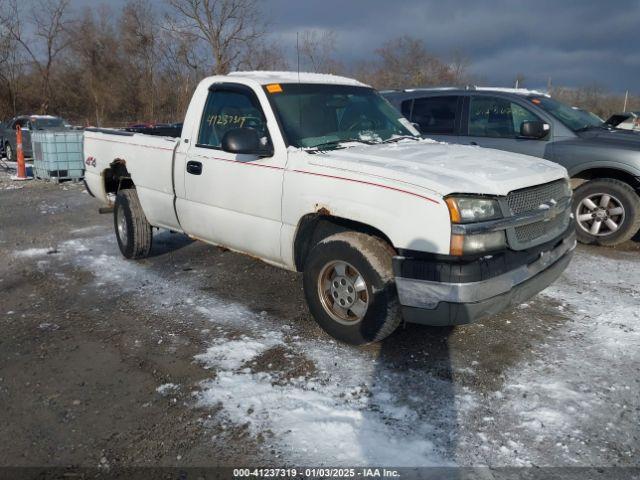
(473,209)
(478,243)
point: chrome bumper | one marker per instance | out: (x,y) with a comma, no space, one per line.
(424,294)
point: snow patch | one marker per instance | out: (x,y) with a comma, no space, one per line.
(167,389)
(310,425)
(232,354)
(32,252)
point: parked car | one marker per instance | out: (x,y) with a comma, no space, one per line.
(318,174)
(625,121)
(603,163)
(27,123)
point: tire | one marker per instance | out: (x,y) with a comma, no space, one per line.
(363,257)
(610,224)
(8,152)
(133,231)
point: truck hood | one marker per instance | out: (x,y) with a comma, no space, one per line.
(626,139)
(443,168)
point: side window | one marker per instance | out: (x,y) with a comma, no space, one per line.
(521,115)
(229,109)
(23,122)
(490,117)
(496,117)
(436,114)
(405,108)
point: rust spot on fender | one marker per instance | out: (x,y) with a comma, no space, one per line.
(322,210)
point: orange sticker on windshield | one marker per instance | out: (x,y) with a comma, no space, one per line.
(274,88)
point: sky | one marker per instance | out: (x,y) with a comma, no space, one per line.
(575,42)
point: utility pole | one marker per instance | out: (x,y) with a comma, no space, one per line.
(626,99)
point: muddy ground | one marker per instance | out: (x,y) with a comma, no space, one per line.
(199,356)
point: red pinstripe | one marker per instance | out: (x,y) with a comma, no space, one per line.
(369,183)
(280,168)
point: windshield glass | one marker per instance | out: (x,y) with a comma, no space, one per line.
(44,123)
(314,115)
(574,118)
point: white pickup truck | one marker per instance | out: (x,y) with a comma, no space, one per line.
(319,174)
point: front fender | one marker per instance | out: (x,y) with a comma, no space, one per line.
(410,219)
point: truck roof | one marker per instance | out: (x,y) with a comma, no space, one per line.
(515,91)
(267,77)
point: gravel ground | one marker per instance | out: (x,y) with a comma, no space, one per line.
(199,356)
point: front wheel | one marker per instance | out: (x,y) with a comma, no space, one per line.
(607,212)
(133,231)
(8,152)
(350,288)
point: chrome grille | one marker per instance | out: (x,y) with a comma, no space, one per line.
(529,199)
(528,233)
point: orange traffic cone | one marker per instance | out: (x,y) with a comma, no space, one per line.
(22,168)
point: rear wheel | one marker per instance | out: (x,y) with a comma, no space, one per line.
(350,288)
(133,231)
(607,212)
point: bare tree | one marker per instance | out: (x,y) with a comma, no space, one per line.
(96,54)
(404,62)
(11,68)
(49,21)
(224,27)
(459,68)
(317,51)
(181,71)
(139,40)
(263,55)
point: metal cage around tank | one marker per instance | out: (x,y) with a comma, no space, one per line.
(58,155)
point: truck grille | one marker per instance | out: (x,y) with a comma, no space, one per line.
(528,233)
(530,199)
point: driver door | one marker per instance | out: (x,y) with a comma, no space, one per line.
(230,199)
(494,122)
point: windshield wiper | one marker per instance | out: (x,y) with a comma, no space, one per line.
(401,137)
(326,145)
(591,127)
(334,144)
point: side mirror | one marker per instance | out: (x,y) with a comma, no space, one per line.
(244,141)
(534,130)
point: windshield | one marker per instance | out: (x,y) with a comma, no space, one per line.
(45,123)
(323,116)
(574,118)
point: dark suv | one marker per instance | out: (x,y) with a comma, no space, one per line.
(603,162)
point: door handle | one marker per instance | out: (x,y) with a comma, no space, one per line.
(475,144)
(194,168)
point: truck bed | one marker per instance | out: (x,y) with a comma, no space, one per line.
(149,161)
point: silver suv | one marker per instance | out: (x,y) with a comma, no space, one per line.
(603,162)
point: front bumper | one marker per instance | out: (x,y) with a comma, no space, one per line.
(438,303)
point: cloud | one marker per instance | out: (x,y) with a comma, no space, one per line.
(574,42)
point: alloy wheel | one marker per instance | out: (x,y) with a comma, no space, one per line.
(600,214)
(343,292)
